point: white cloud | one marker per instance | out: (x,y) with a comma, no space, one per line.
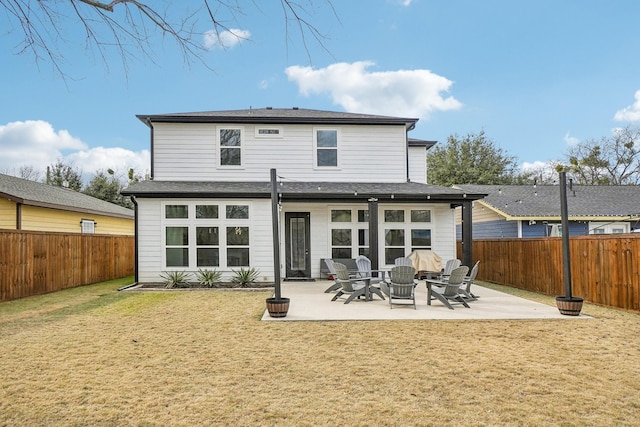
(571,140)
(224,39)
(118,159)
(406,2)
(630,113)
(37,144)
(410,93)
(534,166)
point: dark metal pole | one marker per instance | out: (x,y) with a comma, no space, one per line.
(373,233)
(564,218)
(276,234)
(467,234)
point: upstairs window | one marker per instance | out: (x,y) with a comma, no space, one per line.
(230,142)
(326,147)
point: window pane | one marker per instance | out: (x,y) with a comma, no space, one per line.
(327,138)
(341,215)
(363,215)
(363,237)
(208,257)
(390,254)
(176,211)
(364,251)
(238,212)
(395,215)
(238,257)
(230,157)
(177,257)
(177,236)
(327,157)
(421,215)
(420,237)
(394,238)
(341,237)
(341,253)
(207,236)
(206,211)
(230,137)
(238,236)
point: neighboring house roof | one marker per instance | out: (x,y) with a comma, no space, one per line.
(278,116)
(584,202)
(295,190)
(33,193)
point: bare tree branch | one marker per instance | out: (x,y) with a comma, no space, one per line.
(128,26)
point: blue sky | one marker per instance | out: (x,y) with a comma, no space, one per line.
(536,76)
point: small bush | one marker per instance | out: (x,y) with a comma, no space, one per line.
(245,276)
(175,279)
(208,278)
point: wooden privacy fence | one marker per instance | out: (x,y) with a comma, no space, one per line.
(33,263)
(605,269)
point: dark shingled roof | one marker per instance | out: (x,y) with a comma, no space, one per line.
(583,201)
(307,191)
(278,116)
(33,193)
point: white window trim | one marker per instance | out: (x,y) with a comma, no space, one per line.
(219,147)
(221,222)
(407,226)
(315,148)
(354,226)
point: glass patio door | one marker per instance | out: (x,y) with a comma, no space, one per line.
(297,237)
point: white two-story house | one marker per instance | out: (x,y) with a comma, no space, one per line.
(348,184)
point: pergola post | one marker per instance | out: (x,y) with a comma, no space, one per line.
(467,234)
(373,233)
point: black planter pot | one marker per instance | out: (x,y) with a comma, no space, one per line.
(569,306)
(278,307)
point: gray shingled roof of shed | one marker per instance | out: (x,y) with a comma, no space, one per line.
(33,193)
(291,190)
(584,201)
(278,116)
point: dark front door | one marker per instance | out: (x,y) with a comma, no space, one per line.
(297,236)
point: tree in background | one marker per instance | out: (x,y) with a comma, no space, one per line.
(473,159)
(128,26)
(64,175)
(107,185)
(612,160)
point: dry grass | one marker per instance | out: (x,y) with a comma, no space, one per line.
(94,356)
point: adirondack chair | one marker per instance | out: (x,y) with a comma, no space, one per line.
(402,284)
(468,281)
(352,286)
(449,266)
(447,291)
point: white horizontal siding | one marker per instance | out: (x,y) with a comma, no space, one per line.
(188,152)
(150,232)
(418,164)
(149,237)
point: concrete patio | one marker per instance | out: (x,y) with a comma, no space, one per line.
(309,303)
